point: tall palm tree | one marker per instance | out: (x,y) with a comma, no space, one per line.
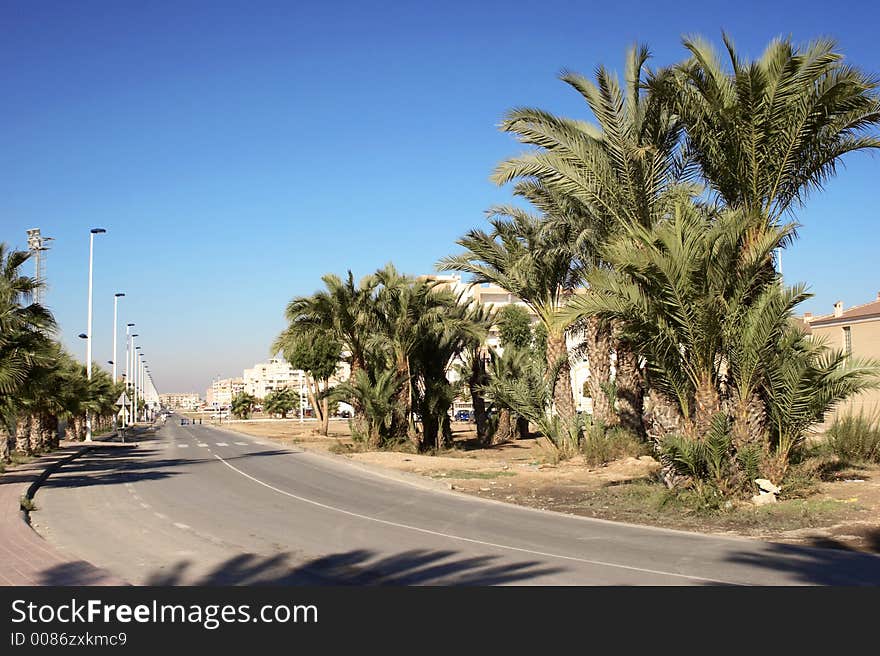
(530,261)
(343,308)
(618,173)
(766,132)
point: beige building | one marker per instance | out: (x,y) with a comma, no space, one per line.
(223,390)
(266,377)
(857,332)
(182,401)
(497,297)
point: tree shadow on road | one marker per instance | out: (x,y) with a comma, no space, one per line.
(822,561)
(358,567)
(120,466)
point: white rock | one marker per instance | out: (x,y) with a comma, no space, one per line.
(763,499)
(767,486)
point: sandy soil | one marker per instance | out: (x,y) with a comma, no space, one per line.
(845,513)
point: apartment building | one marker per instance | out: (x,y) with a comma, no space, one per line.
(182,401)
(223,390)
(857,332)
(497,297)
(266,377)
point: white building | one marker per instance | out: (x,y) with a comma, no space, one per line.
(223,390)
(266,377)
(497,297)
(183,401)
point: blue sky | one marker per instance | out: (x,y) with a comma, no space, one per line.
(237,151)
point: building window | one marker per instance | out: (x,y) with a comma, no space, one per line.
(847,341)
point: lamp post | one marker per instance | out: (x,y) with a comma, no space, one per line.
(92,233)
(116,298)
(133,380)
(128,327)
(137,381)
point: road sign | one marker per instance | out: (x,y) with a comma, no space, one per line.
(122,400)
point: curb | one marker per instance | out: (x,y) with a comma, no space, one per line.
(54,467)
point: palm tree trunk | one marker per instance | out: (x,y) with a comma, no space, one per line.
(597,339)
(23,435)
(522,427)
(4,444)
(51,430)
(630,392)
(707,403)
(356,406)
(478,378)
(563,398)
(506,429)
(36,433)
(749,422)
(325,411)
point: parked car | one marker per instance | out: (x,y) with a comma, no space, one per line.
(463,415)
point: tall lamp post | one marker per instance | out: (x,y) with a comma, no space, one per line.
(116,298)
(137,381)
(128,328)
(93,232)
(132,381)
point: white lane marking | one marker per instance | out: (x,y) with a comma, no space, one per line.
(182,446)
(160,515)
(201,444)
(222,444)
(240,443)
(181,526)
(146,505)
(470,540)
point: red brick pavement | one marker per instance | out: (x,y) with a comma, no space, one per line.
(25,557)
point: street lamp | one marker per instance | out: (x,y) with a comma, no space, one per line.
(116,298)
(92,233)
(136,366)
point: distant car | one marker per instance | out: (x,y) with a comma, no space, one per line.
(463,415)
(345,414)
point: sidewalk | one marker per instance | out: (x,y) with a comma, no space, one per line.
(26,558)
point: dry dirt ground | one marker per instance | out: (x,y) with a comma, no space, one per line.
(843,513)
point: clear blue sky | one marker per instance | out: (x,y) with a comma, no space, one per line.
(237,151)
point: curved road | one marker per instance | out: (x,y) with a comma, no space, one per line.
(194,505)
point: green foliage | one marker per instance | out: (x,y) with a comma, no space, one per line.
(514,327)
(706,463)
(280,402)
(855,437)
(315,351)
(243,405)
(378,397)
(600,445)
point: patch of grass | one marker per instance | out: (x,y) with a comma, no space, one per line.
(600,446)
(16,458)
(855,438)
(344,448)
(27,504)
(646,502)
(466,474)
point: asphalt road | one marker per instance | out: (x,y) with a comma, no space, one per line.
(195,505)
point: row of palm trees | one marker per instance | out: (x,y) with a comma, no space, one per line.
(400,336)
(41,384)
(649,247)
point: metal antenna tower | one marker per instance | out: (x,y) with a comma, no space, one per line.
(37,244)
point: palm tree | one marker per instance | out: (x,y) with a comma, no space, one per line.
(378,397)
(766,132)
(280,402)
(243,405)
(528,260)
(615,174)
(406,312)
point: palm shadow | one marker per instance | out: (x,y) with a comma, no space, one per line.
(358,567)
(822,561)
